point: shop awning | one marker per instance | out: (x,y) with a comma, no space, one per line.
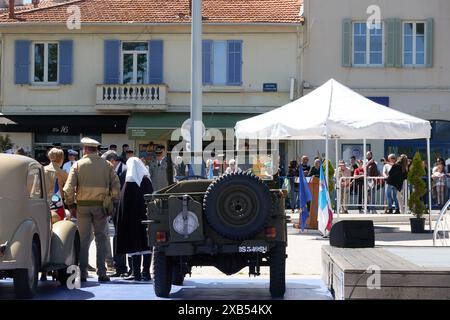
(159,126)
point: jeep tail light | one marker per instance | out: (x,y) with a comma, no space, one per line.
(271,233)
(161,236)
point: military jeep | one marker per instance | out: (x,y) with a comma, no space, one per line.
(233,222)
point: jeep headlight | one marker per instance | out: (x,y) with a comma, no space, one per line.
(185,223)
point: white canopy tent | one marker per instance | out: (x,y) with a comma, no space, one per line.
(337,112)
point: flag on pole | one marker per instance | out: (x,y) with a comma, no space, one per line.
(304,197)
(210,172)
(325,213)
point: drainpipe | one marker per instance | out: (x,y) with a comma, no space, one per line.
(11,9)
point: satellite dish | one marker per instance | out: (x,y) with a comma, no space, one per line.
(186,130)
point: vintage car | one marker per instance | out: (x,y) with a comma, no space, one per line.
(233,222)
(29,242)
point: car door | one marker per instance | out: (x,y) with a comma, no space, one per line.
(38,207)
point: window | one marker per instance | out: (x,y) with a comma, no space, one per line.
(45,65)
(134,62)
(222,63)
(34,184)
(367,44)
(414,43)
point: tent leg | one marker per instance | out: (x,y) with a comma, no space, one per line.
(338,186)
(365,175)
(429,181)
(326,163)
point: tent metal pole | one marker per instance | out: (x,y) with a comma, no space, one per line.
(326,159)
(429,181)
(365,175)
(338,185)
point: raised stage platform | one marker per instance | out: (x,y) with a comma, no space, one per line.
(405,272)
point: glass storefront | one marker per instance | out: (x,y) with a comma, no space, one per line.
(439,143)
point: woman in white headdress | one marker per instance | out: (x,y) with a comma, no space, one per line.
(131,233)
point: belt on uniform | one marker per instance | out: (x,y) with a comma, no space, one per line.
(90,203)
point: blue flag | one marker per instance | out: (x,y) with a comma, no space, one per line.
(210,172)
(190,170)
(304,197)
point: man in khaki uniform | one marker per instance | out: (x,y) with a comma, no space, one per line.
(92,182)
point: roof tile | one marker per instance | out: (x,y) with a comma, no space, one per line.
(164,11)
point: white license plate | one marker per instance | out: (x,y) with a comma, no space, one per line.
(243,249)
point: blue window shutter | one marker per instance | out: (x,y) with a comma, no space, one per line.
(112,62)
(207,61)
(65,61)
(234,63)
(22,62)
(156,48)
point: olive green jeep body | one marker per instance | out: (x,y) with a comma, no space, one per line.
(233,222)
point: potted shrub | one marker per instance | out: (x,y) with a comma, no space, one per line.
(415,203)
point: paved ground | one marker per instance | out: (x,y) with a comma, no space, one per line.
(198,288)
(303,275)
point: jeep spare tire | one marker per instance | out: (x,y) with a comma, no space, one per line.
(237,205)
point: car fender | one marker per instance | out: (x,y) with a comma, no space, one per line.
(63,239)
(18,251)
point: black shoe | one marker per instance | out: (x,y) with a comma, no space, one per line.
(43,277)
(91,268)
(397,211)
(117,275)
(103,279)
(83,279)
(146,277)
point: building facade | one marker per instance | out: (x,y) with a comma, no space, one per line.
(392,51)
(124,75)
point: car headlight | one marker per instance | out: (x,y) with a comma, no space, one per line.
(185,223)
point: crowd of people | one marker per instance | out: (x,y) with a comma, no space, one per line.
(101,186)
(385,178)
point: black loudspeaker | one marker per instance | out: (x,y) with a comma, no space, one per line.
(353,234)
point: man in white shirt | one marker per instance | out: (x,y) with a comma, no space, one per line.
(72,155)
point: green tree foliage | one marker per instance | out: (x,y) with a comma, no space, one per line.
(415,174)
(330,175)
(5,143)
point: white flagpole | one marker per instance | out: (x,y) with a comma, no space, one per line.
(338,186)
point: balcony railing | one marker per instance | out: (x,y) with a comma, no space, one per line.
(142,96)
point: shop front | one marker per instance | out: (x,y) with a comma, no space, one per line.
(165,129)
(66,132)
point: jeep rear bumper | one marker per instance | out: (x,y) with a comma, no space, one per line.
(189,249)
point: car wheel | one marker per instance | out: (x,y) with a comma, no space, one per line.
(162,274)
(61,274)
(26,280)
(278,270)
(238,205)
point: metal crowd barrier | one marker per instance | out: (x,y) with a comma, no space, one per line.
(351,195)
